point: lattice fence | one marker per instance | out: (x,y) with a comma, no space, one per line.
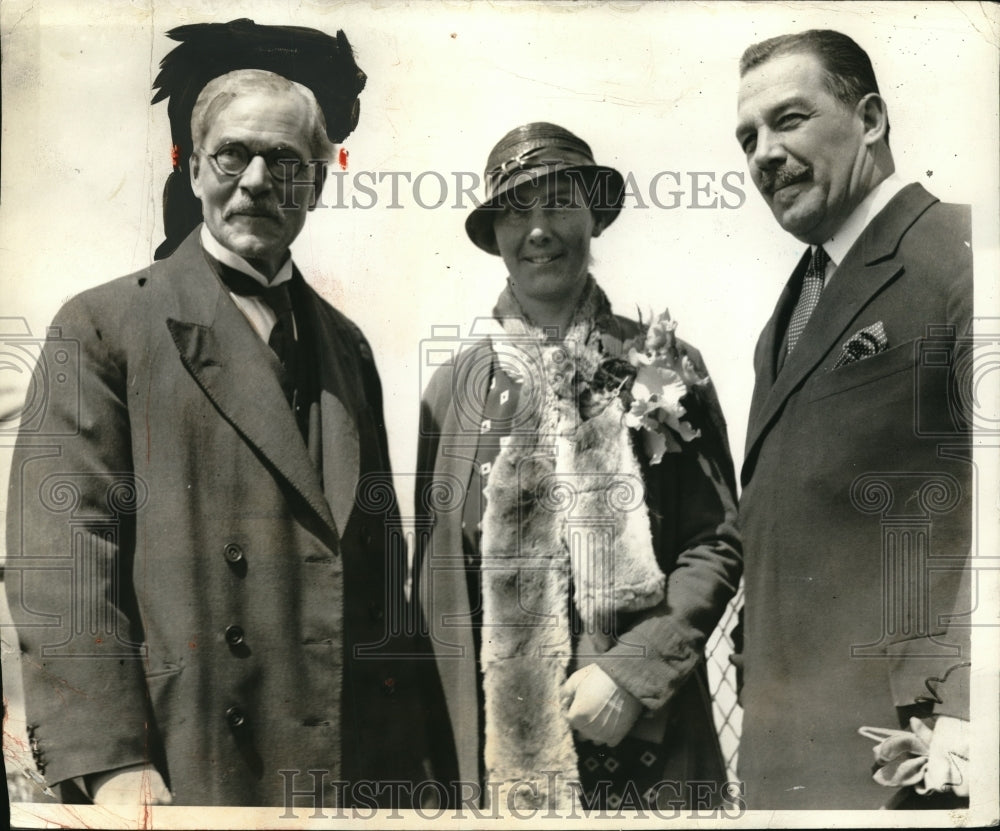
(722,684)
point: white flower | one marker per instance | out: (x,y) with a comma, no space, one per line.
(661,333)
(656,403)
(690,374)
(658,385)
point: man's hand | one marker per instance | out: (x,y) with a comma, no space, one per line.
(136,785)
(598,709)
(948,756)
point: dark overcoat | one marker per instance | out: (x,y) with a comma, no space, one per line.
(189,588)
(691,501)
(856,512)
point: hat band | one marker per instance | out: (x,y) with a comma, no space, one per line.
(546,156)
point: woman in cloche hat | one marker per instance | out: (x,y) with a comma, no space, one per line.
(576,477)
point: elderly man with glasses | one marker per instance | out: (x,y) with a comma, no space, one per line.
(203,591)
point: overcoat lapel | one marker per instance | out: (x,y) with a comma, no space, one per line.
(866,269)
(445,596)
(237,371)
(340,407)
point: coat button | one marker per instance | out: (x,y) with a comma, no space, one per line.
(235,717)
(389,686)
(234,635)
(233,552)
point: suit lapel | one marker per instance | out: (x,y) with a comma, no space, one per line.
(766,357)
(866,269)
(237,371)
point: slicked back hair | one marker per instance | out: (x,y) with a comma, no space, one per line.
(846,66)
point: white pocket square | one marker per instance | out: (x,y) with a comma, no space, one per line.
(863,344)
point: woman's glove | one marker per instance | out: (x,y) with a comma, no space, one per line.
(597,708)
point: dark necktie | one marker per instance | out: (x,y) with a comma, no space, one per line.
(812,286)
(282,337)
(297,374)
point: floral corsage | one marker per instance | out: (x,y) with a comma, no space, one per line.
(654,380)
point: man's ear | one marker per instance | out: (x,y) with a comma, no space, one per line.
(194,165)
(874,115)
(318,182)
(599,226)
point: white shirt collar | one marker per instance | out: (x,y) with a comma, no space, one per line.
(847,234)
(234,260)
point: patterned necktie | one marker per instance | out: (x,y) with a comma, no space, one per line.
(812,286)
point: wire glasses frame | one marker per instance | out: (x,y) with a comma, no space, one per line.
(233,158)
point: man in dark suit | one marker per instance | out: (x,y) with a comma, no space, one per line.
(856,508)
(201,557)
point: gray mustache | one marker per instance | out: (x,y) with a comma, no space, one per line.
(784,176)
(255,209)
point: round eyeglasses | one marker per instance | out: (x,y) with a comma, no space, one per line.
(283,163)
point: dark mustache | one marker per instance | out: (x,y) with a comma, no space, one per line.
(264,209)
(770,181)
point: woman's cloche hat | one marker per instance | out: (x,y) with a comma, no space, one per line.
(534,151)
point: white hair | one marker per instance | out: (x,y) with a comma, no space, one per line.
(221,91)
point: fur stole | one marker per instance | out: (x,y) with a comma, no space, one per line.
(565,517)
